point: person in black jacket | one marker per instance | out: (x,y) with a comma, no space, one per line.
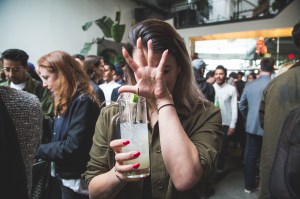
(93,66)
(76,109)
(206,88)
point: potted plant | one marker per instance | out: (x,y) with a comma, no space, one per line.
(109,49)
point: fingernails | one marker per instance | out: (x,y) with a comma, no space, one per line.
(136,154)
(136,165)
(126,142)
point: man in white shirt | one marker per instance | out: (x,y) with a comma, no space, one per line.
(109,84)
(226,100)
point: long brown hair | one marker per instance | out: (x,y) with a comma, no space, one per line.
(164,36)
(90,64)
(72,80)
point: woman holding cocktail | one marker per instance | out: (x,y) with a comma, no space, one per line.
(184,128)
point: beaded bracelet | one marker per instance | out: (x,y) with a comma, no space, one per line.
(165,106)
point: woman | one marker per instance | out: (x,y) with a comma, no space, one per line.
(184,129)
(93,66)
(76,110)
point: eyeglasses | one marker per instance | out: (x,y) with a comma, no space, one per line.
(14,69)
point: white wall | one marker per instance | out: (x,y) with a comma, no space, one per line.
(42,26)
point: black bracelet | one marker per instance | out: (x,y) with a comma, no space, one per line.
(165,106)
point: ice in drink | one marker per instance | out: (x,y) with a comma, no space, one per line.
(134,127)
(138,136)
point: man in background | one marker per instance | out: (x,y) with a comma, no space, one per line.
(15,66)
(109,83)
(240,84)
(119,75)
(240,134)
(226,100)
(249,108)
(206,88)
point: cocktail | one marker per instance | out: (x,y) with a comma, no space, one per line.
(134,127)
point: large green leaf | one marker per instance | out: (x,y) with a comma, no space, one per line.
(117,32)
(87,25)
(105,23)
(86,48)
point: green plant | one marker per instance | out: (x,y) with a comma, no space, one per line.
(111,29)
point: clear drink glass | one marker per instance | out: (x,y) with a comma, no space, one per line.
(134,127)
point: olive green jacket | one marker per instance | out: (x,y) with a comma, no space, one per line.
(203,126)
(35,87)
(280,97)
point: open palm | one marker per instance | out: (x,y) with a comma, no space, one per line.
(149,77)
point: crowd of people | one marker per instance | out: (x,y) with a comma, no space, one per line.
(254,111)
(64,112)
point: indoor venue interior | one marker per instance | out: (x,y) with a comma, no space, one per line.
(165,99)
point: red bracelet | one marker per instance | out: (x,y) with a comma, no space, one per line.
(165,106)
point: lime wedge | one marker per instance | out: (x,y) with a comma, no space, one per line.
(135,98)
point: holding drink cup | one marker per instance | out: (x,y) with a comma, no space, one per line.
(134,127)
(184,129)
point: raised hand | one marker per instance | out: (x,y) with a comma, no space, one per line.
(148,68)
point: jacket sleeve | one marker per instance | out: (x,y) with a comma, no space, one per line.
(101,155)
(234,111)
(47,104)
(243,105)
(205,133)
(262,109)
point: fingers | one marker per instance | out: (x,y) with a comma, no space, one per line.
(117,145)
(141,59)
(150,53)
(120,171)
(131,63)
(126,168)
(162,61)
(127,88)
(120,157)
